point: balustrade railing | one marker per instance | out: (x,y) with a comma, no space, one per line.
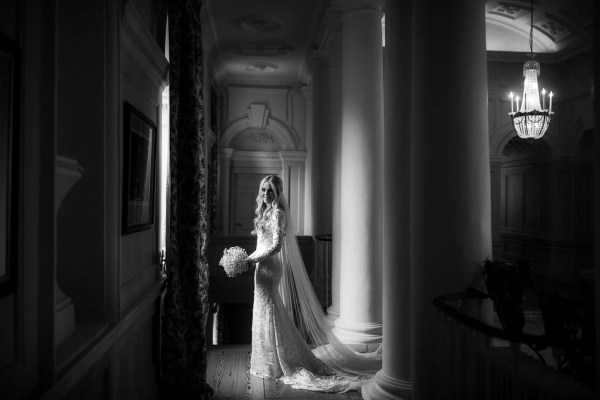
(481,360)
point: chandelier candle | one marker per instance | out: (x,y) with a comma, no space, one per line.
(543,99)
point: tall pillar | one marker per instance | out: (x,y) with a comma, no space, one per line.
(497,205)
(322,177)
(361,159)
(450,169)
(394,380)
(596,175)
(333,311)
(307,95)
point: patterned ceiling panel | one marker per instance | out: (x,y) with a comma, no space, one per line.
(552,29)
(507,11)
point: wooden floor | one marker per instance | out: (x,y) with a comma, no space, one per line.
(228,373)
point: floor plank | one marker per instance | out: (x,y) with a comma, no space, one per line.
(228,373)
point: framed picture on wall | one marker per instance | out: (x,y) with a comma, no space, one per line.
(139,170)
(9,150)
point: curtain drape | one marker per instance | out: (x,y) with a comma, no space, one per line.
(185,307)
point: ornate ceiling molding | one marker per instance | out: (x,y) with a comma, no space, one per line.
(260,67)
(258,23)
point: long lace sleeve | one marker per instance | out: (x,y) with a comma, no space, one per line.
(277,224)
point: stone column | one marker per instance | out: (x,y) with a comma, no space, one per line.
(497,205)
(361,180)
(596,177)
(307,94)
(322,176)
(394,380)
(225,156)
(450,169)
(333,311)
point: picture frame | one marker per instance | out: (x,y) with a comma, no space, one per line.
(9,162)
(139,170)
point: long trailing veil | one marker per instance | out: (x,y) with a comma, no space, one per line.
(302,303)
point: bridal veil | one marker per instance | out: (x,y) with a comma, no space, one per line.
(303,305)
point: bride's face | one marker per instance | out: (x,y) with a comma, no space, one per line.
(266,192)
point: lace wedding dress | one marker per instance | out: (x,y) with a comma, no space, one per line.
(287,314)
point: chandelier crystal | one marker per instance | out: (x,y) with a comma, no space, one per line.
(531,120)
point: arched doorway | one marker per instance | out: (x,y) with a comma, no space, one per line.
(247,153)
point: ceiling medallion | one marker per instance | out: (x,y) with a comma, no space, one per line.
(258,23)
(260,67)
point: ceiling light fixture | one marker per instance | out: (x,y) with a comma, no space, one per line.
(531,120)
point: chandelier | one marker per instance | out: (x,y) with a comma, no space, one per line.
(530,119)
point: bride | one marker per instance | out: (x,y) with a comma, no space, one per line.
(291,340)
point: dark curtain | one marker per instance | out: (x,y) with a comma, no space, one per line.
(185,307)
(214,166)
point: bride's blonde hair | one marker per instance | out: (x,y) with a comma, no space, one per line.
(263,210)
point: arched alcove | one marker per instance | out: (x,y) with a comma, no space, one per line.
(273,130)
(246,154)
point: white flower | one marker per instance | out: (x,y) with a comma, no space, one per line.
(234,261)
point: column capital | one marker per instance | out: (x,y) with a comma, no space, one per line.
(361,6)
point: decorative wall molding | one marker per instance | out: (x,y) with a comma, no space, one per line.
(135,287)
(137,41)
(257,115)
(259,23)
(274,127)
(293,155)
(256,155)
(259,137)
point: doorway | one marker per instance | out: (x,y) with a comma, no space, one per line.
(245,190)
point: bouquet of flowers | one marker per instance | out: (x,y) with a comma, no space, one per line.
(234,261)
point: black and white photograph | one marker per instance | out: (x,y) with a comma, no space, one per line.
(299,199)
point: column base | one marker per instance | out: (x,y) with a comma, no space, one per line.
(384,387)
(362,337)
(333,313)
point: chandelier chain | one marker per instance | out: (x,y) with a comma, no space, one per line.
(531,33)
